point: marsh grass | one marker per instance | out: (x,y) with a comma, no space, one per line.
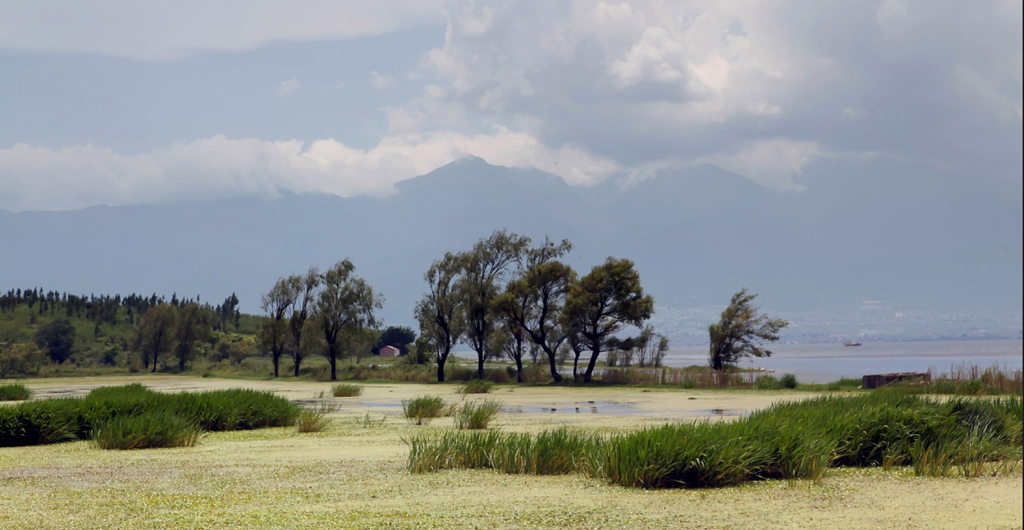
(346,390)
(368,422)
(14,392)
(66,419)
(312,420)
(421,410)
(477,386)
(476,414)
(790,441)
(151,429)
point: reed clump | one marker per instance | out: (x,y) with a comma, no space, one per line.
(312,420)
(346,390)
(476,414)
(67,419)
(14,392)
(791,441)
(421,410)
(150,429)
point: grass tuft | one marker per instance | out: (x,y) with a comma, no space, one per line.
(14,392)
(477,386)
(422,409)
(476,415)
(150,429)
(310,420)
(346,390)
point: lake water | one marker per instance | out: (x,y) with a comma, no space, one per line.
(822,363)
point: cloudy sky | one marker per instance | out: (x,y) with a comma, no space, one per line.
(110,102)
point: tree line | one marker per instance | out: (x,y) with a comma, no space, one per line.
(505,295)
(504,298)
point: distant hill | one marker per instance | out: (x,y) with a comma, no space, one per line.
(834,252)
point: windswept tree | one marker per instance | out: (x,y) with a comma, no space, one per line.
(155,333)
(741,332)
(195,323)
(534,299)
(602,303)
(438,312)
(345,304)
(484,270)
(305,288)
(276,305)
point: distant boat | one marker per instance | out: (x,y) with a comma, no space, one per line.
(853,343)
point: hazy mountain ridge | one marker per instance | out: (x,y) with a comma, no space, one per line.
(696,235)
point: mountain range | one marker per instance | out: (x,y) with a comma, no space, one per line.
(898,254)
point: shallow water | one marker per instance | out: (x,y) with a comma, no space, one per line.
(821,363)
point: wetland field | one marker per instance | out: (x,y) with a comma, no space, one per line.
(354,473)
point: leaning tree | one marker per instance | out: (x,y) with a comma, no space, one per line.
(741,332)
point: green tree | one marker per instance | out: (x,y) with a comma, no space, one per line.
(155,333)
(441,321)
(56,339)
(276,305)
(345,305)
(398,336)
(305,288)
(533,300)
(195,324)
(741,331)
(20,359)
(602,303)
(483,271)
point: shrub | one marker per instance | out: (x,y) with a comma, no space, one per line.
(788,381)
(477,415)
(420,410)
(477,386)
(346,390)
(14,392)
(150,429)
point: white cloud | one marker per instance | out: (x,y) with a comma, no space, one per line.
(773,163)
(755,85)
(38,178)
(167,30)
(287,87)
(381,81)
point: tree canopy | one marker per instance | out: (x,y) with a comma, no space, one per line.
(602,303)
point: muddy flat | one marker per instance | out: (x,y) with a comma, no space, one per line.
(353,475)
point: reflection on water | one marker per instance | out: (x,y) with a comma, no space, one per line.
(576,407)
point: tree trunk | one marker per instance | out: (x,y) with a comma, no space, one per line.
(575,365)
(277,361)
(554,370)
(155,354)
(333,358)
(440,369)
(593,361)
(480,365)
(519,369)
(298,362)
